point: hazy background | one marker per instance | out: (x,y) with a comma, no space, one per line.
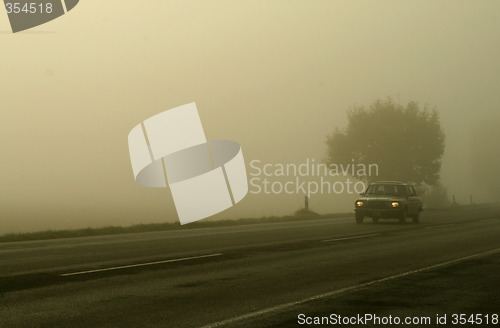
(275,76)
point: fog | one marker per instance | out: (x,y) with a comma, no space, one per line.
(277,77)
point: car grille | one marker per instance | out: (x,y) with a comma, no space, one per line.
(376,204)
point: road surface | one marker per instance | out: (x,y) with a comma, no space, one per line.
(262,275)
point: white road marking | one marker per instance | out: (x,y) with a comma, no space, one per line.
(440,225)
(138,265)
(355,237)
(285,306)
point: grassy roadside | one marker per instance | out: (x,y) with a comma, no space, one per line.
(150,227)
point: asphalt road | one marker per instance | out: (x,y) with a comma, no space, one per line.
(265,275)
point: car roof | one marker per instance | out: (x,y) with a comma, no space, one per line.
(389,182)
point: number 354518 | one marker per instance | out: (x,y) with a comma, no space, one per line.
(28,8)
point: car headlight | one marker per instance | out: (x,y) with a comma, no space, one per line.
(359,203)
(395,204)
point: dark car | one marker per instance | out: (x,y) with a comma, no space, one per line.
(388,200)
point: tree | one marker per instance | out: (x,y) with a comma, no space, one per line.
(406,143)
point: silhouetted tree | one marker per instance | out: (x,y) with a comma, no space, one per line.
(406,143)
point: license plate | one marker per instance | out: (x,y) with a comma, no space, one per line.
(376,213)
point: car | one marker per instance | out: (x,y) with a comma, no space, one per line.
(388,200)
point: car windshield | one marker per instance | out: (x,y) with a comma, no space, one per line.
(386,190)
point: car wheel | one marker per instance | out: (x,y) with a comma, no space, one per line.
(402,218)
(359,218)
(375,220)
(416,217)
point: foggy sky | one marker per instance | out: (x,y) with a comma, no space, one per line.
(275,76)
